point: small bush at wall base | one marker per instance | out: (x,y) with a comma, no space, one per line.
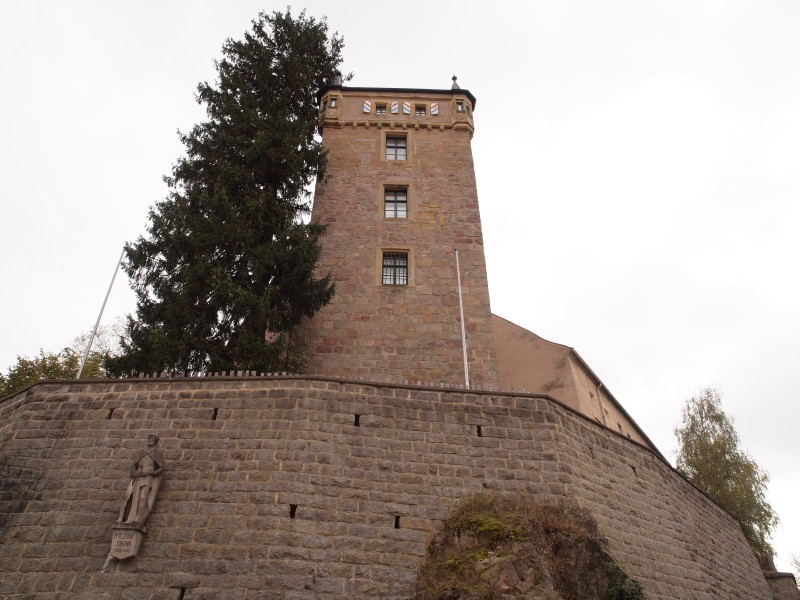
(620,585)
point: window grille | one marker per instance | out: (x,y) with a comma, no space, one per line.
(395,268)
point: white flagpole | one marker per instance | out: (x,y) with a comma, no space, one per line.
(463,327)
(100,316)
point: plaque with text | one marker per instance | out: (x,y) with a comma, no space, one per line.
(125,542)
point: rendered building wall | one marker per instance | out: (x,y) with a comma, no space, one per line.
(528,362)
(239,452)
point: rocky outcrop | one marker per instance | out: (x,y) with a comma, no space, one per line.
(493,547)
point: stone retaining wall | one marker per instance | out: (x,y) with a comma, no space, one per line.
(783,585)
(242,452)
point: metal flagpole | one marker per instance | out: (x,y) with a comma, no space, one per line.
(463,327)
(100,316)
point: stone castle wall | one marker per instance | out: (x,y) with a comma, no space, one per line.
(783,586)
(400,332)
(367,490)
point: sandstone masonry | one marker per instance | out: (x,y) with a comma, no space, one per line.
(400,186)
(291,488)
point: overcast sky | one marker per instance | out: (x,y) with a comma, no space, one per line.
(638,168)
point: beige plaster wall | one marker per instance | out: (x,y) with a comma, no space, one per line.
(528,362)
(239,452)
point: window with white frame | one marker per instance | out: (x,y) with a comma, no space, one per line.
(395,268)
(395,203)
(396,148)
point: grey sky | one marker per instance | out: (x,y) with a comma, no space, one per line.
(638,166)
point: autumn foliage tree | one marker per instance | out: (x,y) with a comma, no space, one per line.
(50,365)
(228,263)
(710,457)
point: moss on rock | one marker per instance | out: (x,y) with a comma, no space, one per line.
(494,547)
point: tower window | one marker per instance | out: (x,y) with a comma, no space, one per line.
(420,110)
(395,268)
(396,148)
(334,102)
(380,109)
(395,203)
(459,106)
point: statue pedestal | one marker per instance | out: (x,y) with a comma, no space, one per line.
(125,541)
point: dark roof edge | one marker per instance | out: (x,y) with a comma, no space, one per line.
(344,88)
(778,575)
(616,402)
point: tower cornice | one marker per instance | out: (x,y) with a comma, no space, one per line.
(396,91)
(406,108)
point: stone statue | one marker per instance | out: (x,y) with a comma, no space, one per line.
(146,471)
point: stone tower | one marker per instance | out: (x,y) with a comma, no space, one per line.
(399,199)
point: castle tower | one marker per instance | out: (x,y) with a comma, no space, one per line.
(399,199)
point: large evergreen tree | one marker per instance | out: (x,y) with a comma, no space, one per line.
(709,456)
(227,258)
